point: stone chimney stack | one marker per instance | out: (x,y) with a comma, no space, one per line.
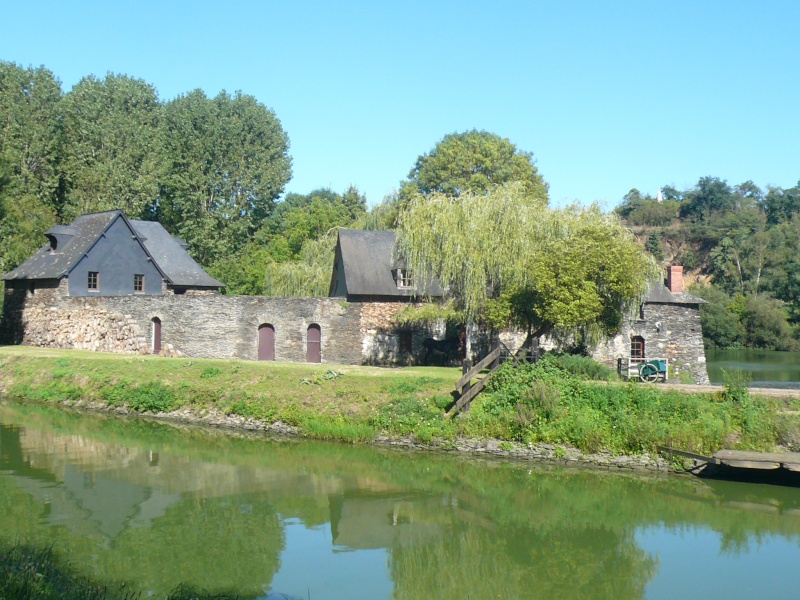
(675,279)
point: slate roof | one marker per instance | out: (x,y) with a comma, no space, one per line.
(169,255)
(368,260)
(44,264)
(659,294)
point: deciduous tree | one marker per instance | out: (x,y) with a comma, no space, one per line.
(112,157)
(30,150)
(227,162)
(473,161)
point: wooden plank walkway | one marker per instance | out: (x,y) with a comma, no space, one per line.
(743,460)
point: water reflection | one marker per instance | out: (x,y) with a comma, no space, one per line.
(765,368)
(156,505)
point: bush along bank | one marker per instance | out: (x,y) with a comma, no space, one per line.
(550,411)
(545,403)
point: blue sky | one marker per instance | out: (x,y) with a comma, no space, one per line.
(607,95)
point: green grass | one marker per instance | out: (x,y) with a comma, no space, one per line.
(543,403)
(324,401)
(552,402)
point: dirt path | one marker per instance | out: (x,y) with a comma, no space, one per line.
(710,389)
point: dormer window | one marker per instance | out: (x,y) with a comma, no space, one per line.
(404,278)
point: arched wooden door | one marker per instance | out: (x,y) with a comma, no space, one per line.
(156,335)
(314,344)
(266,342)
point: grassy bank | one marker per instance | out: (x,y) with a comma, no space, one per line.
(553,402)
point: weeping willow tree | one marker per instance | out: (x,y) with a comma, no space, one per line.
(310,275)
(509,260)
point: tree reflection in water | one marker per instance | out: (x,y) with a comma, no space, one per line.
(210,511)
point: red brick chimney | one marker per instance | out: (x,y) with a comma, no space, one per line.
(675,279)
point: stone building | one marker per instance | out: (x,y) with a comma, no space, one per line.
(111,284)
(667,326)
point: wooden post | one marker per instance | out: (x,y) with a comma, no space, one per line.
(464,370)
(467,386)
(495,346)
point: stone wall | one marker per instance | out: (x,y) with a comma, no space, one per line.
(380,337)
(218,326)
(202,326)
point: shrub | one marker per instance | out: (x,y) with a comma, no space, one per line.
(155,397)
(581,366)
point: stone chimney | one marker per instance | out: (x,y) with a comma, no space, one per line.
(675,279)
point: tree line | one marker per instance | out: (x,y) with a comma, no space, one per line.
(743,243)
(209,169)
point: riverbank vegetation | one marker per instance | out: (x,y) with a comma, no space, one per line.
(561,400)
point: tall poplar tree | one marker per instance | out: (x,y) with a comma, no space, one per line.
(112,156)
(227,161)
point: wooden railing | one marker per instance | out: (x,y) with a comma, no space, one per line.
(467,390)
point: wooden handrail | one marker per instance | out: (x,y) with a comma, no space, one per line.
(486,361)
(469,396)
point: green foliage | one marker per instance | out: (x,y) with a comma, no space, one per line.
(210,372)
(710,195)
(428,312)
(408,415)
(544,403)
(751,321)
(299,218)
(654,247)
(31,140)
(581,366)
(782,205)
(722,326)
(505,256)
(112,151)
(150,396)
(310,275)
(473,161)
(641,210)
(227,162)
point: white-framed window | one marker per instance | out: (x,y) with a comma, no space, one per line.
(404,278)
(93,281)
(138,284)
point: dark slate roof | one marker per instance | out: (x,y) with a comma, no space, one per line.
(170,255)
(85,231)
(368,260)
(659,294)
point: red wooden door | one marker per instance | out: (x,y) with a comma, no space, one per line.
(156,335)
(314,344)
(266,342)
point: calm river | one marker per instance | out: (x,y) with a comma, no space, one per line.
(765,368)
(155,505)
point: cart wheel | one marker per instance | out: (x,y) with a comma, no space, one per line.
(648,373)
